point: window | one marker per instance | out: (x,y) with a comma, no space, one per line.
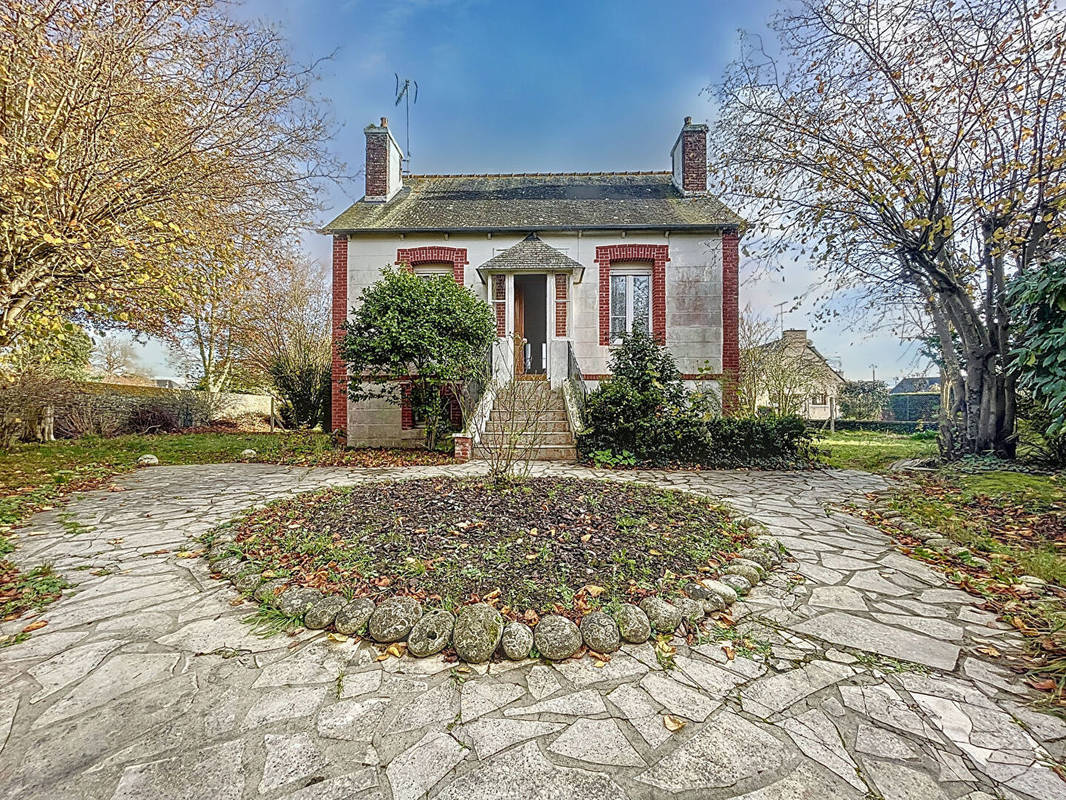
(630,300)
(820,399)
(429,271)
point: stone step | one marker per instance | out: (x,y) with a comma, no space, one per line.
(541,453)
(559,438)
(552,415)
(541,424)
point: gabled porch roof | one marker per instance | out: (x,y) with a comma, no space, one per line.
(531,254)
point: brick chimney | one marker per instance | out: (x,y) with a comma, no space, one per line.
(689,156)
(793,338)
(384,160)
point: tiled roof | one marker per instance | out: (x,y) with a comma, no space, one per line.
(532,255)
(528,202)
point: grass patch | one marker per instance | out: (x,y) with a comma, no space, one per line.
(874,451)
(452,541)
(23,591)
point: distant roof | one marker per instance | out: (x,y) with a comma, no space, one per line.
(541,201)
(531,255)
(916,384)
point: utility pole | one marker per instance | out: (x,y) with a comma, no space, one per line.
(873,372)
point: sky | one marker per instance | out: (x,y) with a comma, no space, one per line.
(540,86)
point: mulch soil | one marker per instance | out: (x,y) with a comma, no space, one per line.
(563,545)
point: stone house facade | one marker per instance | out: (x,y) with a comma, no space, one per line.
(567,261)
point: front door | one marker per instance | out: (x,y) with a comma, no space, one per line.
(531,326)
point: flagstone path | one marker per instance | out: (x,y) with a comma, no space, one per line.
(146,684)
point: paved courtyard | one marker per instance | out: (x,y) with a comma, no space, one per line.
(146,684)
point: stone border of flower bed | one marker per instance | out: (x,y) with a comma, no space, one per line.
(479,631)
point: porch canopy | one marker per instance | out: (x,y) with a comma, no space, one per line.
(531,255)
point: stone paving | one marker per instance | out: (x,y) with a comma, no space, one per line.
(146,684)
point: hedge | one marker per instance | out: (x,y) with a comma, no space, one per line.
(909,406)
(880,426)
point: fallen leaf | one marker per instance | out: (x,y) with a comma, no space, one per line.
(1045,685)
(336,637)
(672,723)
(35,626)
(730,653)
(594,590)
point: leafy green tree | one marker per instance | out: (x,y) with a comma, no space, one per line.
(433,332)
(1037,300)
(863,399)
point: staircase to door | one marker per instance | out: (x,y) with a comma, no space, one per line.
(532,415)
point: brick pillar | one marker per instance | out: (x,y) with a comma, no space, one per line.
(730,319)
(338,370)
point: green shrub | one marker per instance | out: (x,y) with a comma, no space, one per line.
(878,426)
(765,442)
(643,415)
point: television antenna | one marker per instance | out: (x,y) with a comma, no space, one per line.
(404,89)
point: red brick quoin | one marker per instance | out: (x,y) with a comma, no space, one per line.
(658,255)
(730,318)
(338,416)
(456,256)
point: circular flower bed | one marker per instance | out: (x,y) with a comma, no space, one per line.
(620,558)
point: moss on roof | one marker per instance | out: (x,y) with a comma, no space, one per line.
(536,202)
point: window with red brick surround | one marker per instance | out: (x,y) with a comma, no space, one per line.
(338,410)
(657,255)
(456,256)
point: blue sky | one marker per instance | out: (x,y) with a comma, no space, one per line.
(514,86)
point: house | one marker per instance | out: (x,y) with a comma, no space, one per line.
(798,375)
(914,384)
(568,261)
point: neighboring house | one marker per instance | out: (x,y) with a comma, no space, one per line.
(798,367)
(916,384)
(568,262)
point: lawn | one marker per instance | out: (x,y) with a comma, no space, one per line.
(873,451)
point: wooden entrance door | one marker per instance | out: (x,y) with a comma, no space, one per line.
(519,332)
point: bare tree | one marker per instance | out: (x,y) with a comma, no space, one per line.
(115,357)
(755,333)
(914,149)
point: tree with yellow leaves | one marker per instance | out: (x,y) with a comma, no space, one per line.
(136,135)
(914,148)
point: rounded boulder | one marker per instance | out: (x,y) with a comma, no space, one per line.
(633,624)
(600,632)
(662,615)
(477,634)
(557,637)
(517,641)
(724,591)
(354,616)
(737,583)
(690,609)
(744,571)
(322,612)
(431,633)
(268,592)
(758,555)
(394,619)
(148,460)
(297,601)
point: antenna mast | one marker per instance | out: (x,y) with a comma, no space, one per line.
(404,89)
